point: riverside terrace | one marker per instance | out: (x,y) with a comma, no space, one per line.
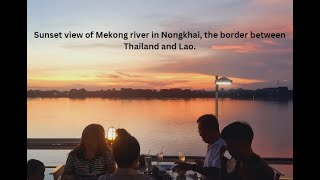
(70,143)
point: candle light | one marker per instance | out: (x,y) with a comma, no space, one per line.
(111,134)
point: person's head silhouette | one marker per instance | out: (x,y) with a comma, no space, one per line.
(93,142)
(126,150)
(208,128)
(238,137)
(35,170)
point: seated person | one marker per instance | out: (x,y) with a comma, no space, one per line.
(35,170)
(208,128)
(249,166)
(126,152)
(91,158)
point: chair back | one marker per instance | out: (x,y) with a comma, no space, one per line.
(277,174)
(57,172)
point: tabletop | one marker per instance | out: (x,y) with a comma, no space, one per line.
(164,169)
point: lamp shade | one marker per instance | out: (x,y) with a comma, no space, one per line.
(223,80)
(111,134)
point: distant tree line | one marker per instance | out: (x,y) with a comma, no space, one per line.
(279,93)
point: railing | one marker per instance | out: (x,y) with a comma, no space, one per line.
(70,143)
(52,143)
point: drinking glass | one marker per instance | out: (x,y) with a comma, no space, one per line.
(182,156)
(148,163)
(160,157)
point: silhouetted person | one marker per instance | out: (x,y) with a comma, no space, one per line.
(122,132)
(249,166)
(208,128)
(126,152)
(91,158)
(35,170)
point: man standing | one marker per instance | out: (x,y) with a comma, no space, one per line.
(208,128)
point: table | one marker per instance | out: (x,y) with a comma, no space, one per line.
(166,166)
(190,175)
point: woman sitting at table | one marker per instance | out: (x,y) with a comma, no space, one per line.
(126,152)
(91,158)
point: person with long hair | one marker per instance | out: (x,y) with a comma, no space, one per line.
(91,158)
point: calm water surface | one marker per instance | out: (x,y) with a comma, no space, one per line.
(155,123)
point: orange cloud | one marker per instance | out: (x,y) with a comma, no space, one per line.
(273,2)
(288,29)
(269,41)
(244,48)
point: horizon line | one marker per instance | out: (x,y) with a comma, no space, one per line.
(157,89)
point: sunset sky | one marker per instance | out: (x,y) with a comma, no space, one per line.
(104,63)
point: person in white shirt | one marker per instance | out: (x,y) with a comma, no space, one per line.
(126,152)
(208,128)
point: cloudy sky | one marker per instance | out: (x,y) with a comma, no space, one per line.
(104,63)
